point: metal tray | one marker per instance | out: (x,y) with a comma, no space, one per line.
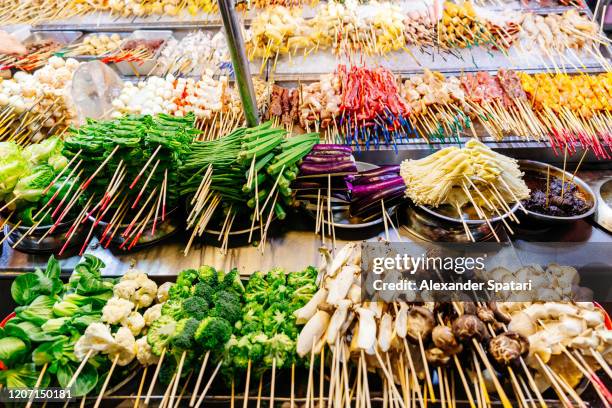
(123,35)
(145,67)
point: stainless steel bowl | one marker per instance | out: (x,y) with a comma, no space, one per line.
(428,225)
(604,207)
(51,243)
(555,171)
(163,230)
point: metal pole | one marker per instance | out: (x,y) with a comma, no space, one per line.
(242,72)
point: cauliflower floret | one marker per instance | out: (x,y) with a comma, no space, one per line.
(134,275)
(116,309)
(126,347)
(152,314)
(135,322)
(146,294)
(125,289)
(144,354)
(97,338)
(162,291)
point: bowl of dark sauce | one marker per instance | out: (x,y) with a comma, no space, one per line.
(556,196)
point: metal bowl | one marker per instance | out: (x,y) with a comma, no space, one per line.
(163,230)
(428,225)
(555,171)
(604,207)
(51,243)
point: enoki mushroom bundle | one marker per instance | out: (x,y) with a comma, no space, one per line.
(457,176)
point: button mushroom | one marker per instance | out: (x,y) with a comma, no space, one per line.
(437,356)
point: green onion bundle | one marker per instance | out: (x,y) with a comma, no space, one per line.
(246,174)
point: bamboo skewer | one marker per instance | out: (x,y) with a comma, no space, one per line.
(155,375)
(106,381)
(199,379)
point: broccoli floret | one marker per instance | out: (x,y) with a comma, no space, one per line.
(187,277)
(258,346)
(256,289)
(282,348)
(177,291)
(184,336)
(239,351)
(227,305)
(232,282)
(276,276)
(279,319)
(302,295)
(306,277)
(213,333)
(160,333)
(195,307)
(173,308)
(208,274)
(204,290)
(279,293)
(252,318)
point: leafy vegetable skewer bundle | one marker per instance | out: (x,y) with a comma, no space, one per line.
(50,320)
(128,165)
(252,166)
(29,179)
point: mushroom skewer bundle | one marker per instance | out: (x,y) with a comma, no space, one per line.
(474,175)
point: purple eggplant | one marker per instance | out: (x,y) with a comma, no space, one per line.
(379,171)
(368,203)
(373,209)
(332,147)
(305,185)
(307,168)
(329,153)
(358,180)
(379,195)
(328,159)
(360,191)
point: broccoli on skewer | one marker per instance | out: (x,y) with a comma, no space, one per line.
(183,338)
(227,306)
(213,333)
(160,333)
(195,307)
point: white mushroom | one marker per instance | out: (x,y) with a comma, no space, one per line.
(339,286)
(385,334)
(312,333)
(337,321)
(401,321)
(366,337)
(306,312)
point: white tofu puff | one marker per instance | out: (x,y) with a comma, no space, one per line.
(116,309)
(135,322)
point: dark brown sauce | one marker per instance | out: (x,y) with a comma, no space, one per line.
(574,201)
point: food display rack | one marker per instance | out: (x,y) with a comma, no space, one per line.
(163,261)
